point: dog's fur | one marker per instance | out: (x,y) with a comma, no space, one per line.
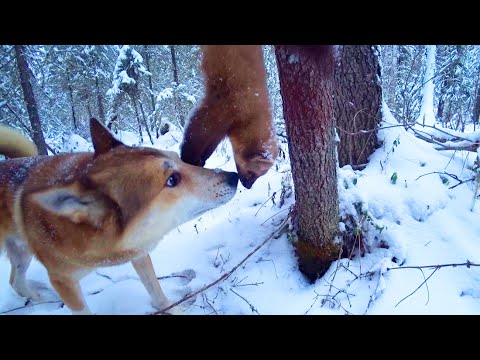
(236,105)
(14,144)
(76,212)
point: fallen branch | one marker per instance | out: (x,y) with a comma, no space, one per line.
(453,176)
(444,132)
(468,264)
(260,208)
(224,276)
(419,286)
(248,302)
(464,144)
(32,305)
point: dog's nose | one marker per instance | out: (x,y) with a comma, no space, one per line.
(232,179)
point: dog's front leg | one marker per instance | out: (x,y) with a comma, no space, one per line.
(144,268)
(71,293)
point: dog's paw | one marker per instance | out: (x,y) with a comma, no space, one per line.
(176,310)
(37,292)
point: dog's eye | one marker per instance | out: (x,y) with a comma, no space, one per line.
(173,180)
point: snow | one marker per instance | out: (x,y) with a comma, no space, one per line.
(427,116)
(127,58)
(166,93)
(415,221)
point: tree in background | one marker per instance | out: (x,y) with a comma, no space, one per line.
(128,69)
(306,85)
(357,102)
(427,116)
(69,79)
(454,78)
(26,78)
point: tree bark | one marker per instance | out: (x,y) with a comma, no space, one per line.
(427,116)
(150,85)
(29,97)
(357,102)
(70,91)
(306,85)
(175,79)
(101,111)
(174,64)
(476,106)
(154,123)
(145,121)
(138,118)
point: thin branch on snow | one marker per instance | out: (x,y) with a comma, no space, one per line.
(453,176)
(248,302)
(472,146)
(224,276)
(274,215)
(32,305)
(419,286)
(205,300)
(314,301)
(468,264)
(260,208)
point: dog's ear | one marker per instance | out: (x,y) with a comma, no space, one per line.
(102,138)
(71,203)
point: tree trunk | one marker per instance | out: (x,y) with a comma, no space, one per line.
(89,109)
(357,102)
(174,64)
(145,121)
(154,124)
(476,106)
(427,117)
(101,112)
(29,97)
(306,84)
(138,119)
(150,85)
(175,79)
(392,88)
(70,91)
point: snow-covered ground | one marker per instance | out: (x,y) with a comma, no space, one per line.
(408,222)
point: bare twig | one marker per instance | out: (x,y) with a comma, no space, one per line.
(249,304)
(260,208)
(419,286)
(224,276)
(314,301)
(274,215)
(453,176)
(205,299)
(32,305)
(468,264)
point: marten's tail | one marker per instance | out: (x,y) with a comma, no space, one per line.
(13,144)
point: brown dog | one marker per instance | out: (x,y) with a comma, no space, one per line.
(235,105)
(76,212)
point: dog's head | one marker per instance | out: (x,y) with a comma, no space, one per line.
(151,190)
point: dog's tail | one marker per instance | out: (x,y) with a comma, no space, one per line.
(14,145)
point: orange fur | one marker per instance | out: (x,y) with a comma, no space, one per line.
(236,105)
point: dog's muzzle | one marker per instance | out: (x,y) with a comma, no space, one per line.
(232,179)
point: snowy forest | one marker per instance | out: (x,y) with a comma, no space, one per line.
(407,174)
